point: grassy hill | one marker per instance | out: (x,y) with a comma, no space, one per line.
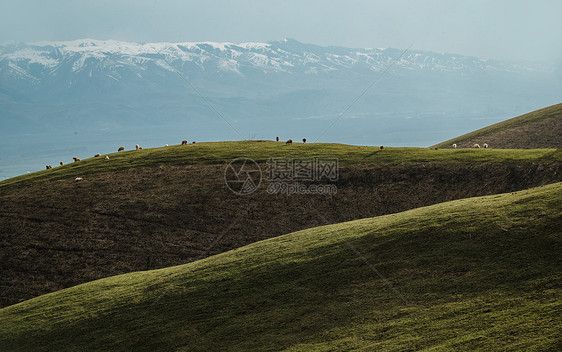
(223,152)
(156,208)
(473,274)
(538,129)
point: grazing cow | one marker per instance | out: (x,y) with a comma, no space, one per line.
(381,147)
(277,139)
(61,163)
(304,140)
(98,154)
(137,147)
(120,149)
(476,145)
(290,141)
(76,159)
(184,142)
(454,145)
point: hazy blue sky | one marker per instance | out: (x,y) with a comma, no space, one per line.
(512,29)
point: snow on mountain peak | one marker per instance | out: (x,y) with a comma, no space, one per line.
(286,55)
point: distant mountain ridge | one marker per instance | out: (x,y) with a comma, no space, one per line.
(279,79)
(284,56)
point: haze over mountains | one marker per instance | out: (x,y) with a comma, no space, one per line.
(61,99)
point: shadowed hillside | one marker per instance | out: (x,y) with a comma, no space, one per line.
(538,129)
(161,207)
(474,274)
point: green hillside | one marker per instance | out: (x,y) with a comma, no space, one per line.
(223,152)
(157,208)
(473,274)
(538,129)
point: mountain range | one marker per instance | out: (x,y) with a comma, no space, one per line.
(61,99)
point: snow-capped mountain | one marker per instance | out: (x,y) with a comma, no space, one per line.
(37,61)
(112,89)
(281,78)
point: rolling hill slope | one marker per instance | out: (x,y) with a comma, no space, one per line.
(156,208)
(473,274)
(538,129)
